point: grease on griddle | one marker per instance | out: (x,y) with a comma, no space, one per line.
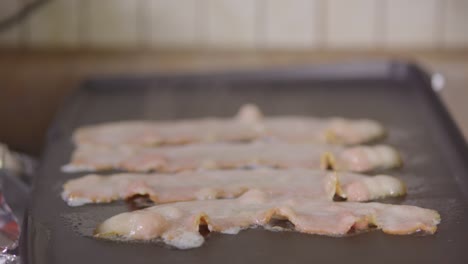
(138,202)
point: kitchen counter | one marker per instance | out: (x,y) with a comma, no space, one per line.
(34,83)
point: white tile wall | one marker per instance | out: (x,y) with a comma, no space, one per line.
(172,24)
(229,23)
(350,23)
(9,37)
(55,24)
(242,24)
(456,24)
(110,23)
(412,23)
(291,24)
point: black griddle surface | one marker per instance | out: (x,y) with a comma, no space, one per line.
(396,94)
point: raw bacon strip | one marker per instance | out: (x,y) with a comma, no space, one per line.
(247,126)
(146,133)
(207,185)
(228,156)
(178,224)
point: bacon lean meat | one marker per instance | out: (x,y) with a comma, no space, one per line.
(248,125)
(229,156)
(206,185)
(178,224)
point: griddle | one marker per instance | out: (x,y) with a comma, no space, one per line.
(397,94)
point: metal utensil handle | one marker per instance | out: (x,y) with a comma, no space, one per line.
(9,259)
(438,82)
(9,228)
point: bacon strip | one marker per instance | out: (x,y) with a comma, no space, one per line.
(247,126)
(178,224)
(228,156)
(207,185)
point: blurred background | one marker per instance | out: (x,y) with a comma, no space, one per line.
(231,24)
(48,46)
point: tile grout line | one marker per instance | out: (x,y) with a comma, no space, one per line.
(9,36)
(83,36)
(322,24)
(75,27)
(144,38)
(260,24)
(204,20)
(380,29)
(440,21)
(27,24)
(199,36)
(74,35)
(24,30)
(314,20)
